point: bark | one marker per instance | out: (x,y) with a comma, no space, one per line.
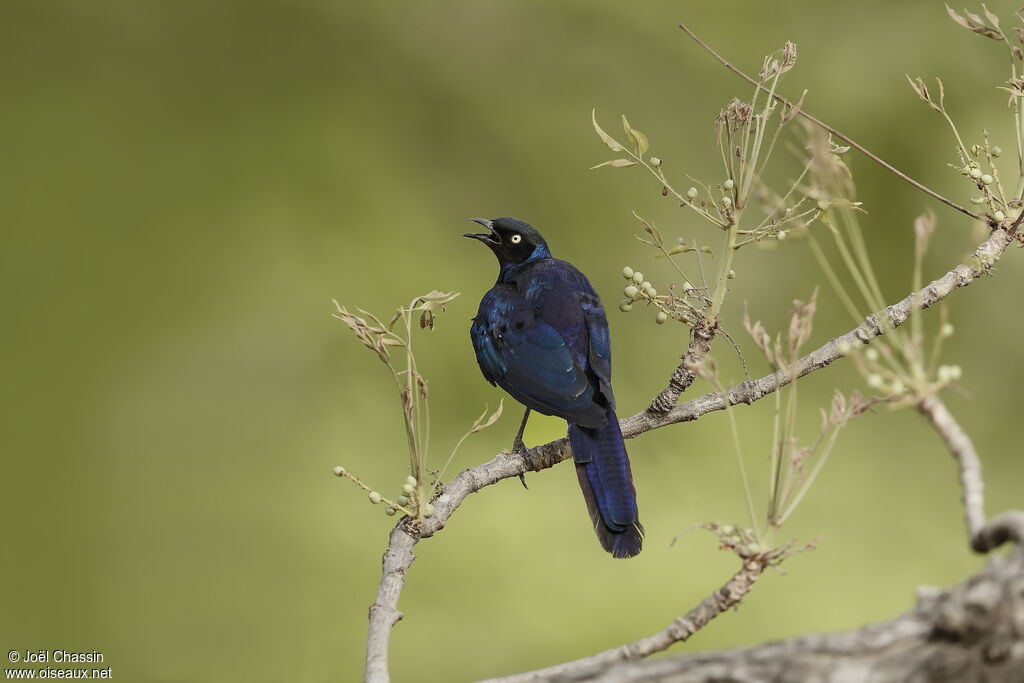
(973,632)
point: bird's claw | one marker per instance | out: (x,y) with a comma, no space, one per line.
(520,449)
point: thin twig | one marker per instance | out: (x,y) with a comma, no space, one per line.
(399,556)
(818,122)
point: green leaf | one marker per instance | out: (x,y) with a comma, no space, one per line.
(607,139)
(616,163)
(638,139)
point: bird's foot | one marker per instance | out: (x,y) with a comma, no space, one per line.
(520,449)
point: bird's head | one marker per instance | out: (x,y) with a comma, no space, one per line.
(513,241)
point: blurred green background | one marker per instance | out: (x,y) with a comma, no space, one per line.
(186,186)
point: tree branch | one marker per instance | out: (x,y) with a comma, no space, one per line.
(399,556)
(984,536)
(679,630)
(818,122)
(971,633)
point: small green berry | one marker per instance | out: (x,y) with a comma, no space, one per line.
(729,184)
(732,274)
(428,510)
(897,387)
(726,202)
(946,330)
(339,471)
(374,497)
(627,273)
(977,199)
(638,277)
(652,292)
(687,287)
(389,511)
(875,380)
(630,291)
(781,236)
(871,355)
(692,193)
(999,216)
(986,179)
(823,204)
(410,480)
(407,489)
(996,150)
(402,500)
(625,306)
(753,548)
(975,173)
(655,162)
(661,317)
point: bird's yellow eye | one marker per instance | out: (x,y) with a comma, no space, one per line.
(516,239)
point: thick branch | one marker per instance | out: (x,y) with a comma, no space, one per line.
(384,612)
(971,633)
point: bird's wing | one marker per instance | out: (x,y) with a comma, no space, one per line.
(600,355)
(526,356)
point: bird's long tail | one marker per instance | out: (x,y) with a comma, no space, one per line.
(603,470)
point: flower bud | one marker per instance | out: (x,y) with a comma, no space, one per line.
(339,471)
(428,510)
(728,184)
(389,511)
(655,162)
(638,277)
(977,199)
(823,204)
(726,202)
(625,306)
(410,480)
(875,380)
(732,274)
(630,291)
(407,489)
(871,355)
(627,273)
(402,500)
(781,235)
(692,193)
(998,216)
(986,179)
(946,330)
(996,150)
(975,173)
(661,317)
(374,497)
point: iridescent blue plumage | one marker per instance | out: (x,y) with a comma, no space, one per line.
(541,335)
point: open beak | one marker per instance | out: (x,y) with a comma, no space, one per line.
(488,238)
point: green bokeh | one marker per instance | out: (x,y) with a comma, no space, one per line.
(186,186)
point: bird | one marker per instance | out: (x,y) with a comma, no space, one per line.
(541,335)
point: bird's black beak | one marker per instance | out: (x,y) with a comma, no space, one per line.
(488,238)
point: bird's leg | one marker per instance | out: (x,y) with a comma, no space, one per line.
(519,448)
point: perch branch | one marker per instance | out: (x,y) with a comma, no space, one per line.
(399,556)
(818,122)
